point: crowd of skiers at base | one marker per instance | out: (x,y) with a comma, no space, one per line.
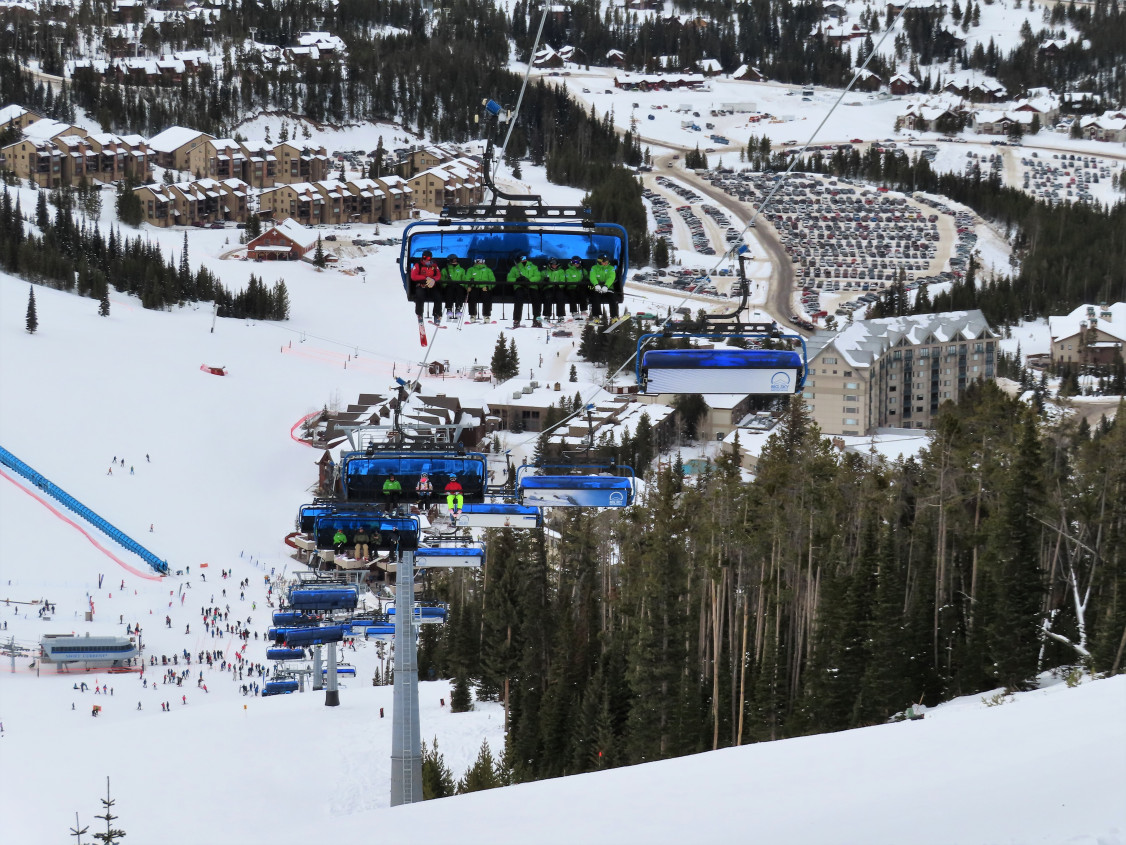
(554,287)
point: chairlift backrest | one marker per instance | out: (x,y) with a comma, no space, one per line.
(363,475)
(563,486)
(386,533)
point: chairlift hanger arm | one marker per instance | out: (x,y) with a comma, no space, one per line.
(745,289)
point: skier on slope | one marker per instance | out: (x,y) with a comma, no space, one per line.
(426,275)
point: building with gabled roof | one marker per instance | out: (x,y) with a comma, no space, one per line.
(924,117)
(903,83)
(199,201)
(300,162)
(1091,334)
(327,44)
(174,146)
(17,117)
(38,155)
(220,158)
(397,197)
(261,163)
(285,241)
(867,81)
(747,73)
(298,200)
(455,182)
(1108,126)
(1041,101)
(896,372)
(1000,122)
(657,81)
(709,67)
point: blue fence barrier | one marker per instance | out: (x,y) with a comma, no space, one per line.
(116,534)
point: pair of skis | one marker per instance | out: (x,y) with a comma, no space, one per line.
(460,322)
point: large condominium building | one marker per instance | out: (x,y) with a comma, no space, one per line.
(896,372)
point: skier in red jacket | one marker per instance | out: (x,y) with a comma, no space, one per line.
(454,499)
(426,275)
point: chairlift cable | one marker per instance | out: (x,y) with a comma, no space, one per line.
(524,84)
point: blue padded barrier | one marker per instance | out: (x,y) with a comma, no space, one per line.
(68,501)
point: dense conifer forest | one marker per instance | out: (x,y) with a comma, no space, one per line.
(834,590)
(71,254)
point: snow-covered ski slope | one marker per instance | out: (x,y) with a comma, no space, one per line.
(1049,767)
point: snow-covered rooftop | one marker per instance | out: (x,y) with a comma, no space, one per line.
(174,137)
(12,112)
(297,232)
(1111,320)
(864,341)
(46,129)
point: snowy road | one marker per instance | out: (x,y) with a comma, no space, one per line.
(781,285)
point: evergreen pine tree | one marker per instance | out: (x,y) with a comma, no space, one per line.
(32,316)
(129,208)
(1014,555)
(281,302)
(437,779)
(185,267)
(319,254)
(42,217)
(112,835)
(512,359)
(461,698)
(885,687)
(483,774)
(574,375)
(499,361)
(103,301)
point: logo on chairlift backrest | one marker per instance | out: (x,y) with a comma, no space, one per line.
(617,498)
(780,383)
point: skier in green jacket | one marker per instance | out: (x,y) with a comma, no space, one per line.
(454,291)
(339,541)
(575,286)
(391,489)
(602,278)
(553,292)
(482,281)
(526,277)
